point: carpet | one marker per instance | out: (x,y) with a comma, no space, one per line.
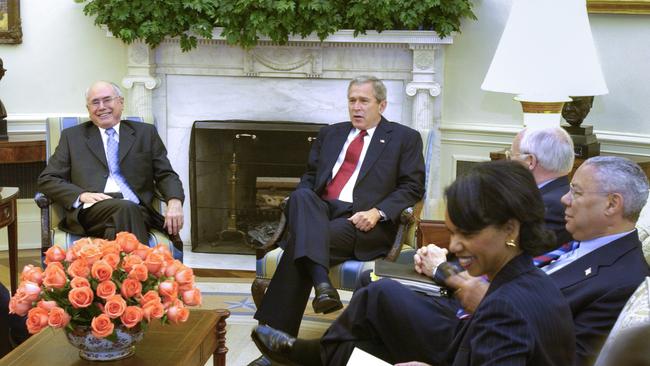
(234,294)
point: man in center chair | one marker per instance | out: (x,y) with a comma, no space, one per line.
(361,175)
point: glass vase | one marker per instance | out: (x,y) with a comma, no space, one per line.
(103,349)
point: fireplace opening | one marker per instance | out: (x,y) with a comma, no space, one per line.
(240,171)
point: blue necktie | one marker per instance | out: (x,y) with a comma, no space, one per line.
(547,258)
(112,148)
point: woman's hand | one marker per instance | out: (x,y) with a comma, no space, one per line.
(470,291)
(428,258)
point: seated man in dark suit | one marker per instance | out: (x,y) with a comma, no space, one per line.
(108,158)
(361,175)
(548,154)
(597,276)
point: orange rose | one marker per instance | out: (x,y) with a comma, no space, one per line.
(192,297)
(90,253)
(79,282)
(115,306)
(131,287)
(28,292)
(168,289)
(54,276)
(79,268)
(164,250)
(112,259)
(102,326)
(58,318)
(81,297)
(151,295)
(127,241)
(18,307)
(177,313)
(54,254)
(129,261)
(139,272)
(107,247)
(47,305)
(101,270)
(172,267)
(154,262)
(36,320)
(153,310)
(142,251)
(132,316)
(184,275)
(32,274)
(106,289)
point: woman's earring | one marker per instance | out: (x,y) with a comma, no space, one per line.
(511,243)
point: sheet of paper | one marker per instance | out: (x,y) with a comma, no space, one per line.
(360,357)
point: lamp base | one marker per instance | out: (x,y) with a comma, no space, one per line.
(585,142)
(3,130)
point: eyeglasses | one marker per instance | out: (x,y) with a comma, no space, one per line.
(519,156)
(573,193)
(96,103)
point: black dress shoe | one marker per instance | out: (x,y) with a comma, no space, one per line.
(274,344)
(326,299)
(261,361)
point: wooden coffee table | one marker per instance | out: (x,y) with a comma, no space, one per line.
(190,343)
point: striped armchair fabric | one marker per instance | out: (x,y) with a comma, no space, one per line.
(51,214)
(345,275)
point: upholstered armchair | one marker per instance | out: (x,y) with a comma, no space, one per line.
(52,213)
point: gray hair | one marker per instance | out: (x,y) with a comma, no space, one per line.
(378,87)
(116,88)
(619,175)
(552,147)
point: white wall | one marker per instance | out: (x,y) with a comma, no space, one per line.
(61,55)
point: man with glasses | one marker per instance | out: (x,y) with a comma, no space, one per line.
(548,154)
(104,173)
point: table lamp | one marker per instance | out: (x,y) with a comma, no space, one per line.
(546,54)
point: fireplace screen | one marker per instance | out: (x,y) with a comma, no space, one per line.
(240,171)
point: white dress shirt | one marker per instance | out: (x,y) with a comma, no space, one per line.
(348,188)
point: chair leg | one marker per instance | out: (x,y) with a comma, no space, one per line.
(258,288)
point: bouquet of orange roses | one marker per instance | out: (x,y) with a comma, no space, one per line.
(101,284)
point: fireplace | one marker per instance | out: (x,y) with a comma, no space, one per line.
(240,171)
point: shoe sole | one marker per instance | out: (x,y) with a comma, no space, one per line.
(273,356)
(327,306)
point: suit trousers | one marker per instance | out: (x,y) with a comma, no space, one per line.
(106,218)
(319,231)
(393,323)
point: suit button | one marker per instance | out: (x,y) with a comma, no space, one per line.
(105,175)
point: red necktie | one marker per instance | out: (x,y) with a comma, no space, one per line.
(335,186)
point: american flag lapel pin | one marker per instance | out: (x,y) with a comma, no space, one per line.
(588,271)
(382,141)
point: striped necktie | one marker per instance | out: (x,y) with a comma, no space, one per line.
(112,156)
(547,258)
(352,154)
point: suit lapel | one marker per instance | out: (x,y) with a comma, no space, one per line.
(380,139)
(95,144)
(127,138)
(588,266)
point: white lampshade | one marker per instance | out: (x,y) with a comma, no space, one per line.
(546,53)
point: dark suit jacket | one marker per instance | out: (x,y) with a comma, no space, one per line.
(391,177)
(79,165)
(554,209)
(597,287)
(523,320)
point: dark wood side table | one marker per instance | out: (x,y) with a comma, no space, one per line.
(8,196)
(186,344)
(21,161)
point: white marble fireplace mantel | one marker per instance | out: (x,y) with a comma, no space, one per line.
(304,80)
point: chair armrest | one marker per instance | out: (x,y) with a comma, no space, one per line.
(272,243)
(42,200)
(407,219)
